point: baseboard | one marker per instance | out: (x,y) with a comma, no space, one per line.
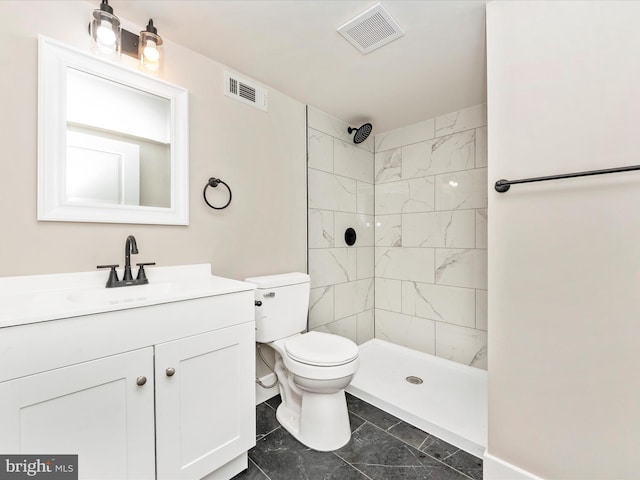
(497,469)
(264,394)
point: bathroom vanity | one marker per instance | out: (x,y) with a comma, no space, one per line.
(149,381)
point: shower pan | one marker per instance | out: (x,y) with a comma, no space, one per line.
(450,401)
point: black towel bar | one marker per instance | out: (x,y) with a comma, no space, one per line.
(504,185)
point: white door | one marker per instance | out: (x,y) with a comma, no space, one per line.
(205,401)
(94,409)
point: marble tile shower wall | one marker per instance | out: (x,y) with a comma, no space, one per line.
(431,236)
(340,195)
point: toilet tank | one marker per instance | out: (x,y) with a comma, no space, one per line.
(284,305)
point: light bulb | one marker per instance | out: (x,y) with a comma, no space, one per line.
(151,51)
(106,35)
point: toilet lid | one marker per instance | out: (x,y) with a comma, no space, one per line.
(321,349)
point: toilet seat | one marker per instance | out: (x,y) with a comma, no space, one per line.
(311,371)
(321,349)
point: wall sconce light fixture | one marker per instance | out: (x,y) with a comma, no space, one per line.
(105,32)
(150,50)
(109,40)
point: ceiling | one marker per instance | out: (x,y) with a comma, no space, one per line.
(293,46)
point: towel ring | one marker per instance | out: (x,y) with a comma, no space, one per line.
(214,182)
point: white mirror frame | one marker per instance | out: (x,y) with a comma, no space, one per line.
(54,59)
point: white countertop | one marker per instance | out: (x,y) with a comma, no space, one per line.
(38,298)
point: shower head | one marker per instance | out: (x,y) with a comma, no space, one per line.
(361,133)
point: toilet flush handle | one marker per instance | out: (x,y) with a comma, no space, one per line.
(269,294)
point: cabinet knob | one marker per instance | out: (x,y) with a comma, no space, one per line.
(141,381)
(170,371)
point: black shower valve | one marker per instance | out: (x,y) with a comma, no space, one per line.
(350,236)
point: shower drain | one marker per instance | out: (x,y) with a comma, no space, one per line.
(414,380)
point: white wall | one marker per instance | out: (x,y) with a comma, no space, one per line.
(564,256)
(431,236)
(260,155)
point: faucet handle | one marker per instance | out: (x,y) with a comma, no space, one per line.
(142,276)
(113,275)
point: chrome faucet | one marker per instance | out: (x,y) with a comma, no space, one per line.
(130,248)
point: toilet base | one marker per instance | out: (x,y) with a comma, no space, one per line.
(323,421)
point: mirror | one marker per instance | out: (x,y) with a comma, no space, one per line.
(112,142)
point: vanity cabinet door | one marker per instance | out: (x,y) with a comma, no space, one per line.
(94,409)
(205,401)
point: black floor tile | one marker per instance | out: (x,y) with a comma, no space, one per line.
(273,402)
(382,447)
(370,445)
(385,457)
(453,456)
(409,434)
(370,413)
(281,457)
(265,420)
(387,472)
(251,473)
(355,421)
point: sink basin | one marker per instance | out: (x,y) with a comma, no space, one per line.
(112,296)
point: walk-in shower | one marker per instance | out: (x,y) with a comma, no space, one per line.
(412,290)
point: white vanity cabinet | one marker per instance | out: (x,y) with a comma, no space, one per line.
(151,388)
(202,401)
(94,409)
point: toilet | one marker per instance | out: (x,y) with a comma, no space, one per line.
(313,368)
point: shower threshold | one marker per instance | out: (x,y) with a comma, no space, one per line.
(450,402)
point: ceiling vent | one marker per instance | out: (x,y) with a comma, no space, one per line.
(371,29)
(245,92)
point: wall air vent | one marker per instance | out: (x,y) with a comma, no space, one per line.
(245,91)
(371,29)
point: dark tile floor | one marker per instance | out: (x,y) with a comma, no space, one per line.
(382,447)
